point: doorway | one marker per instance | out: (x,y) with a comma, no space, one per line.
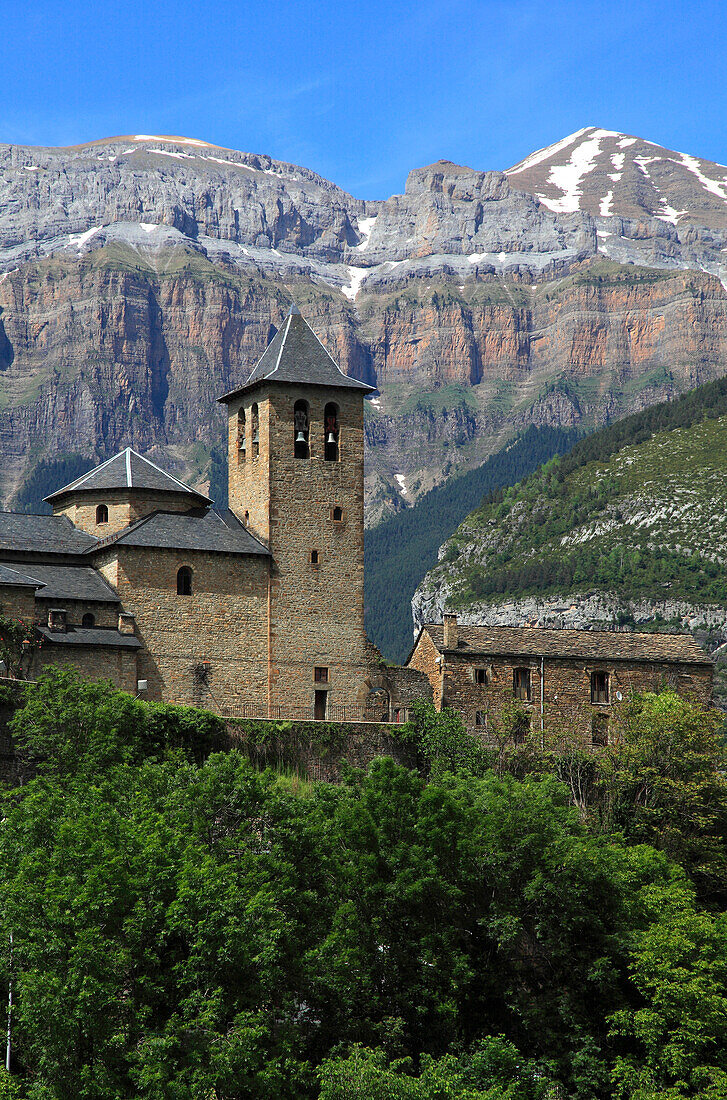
(320,705)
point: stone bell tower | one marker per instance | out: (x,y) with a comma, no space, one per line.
(296,473)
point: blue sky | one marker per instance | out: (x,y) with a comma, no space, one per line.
(363,92)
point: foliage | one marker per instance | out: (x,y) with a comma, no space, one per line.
(492,1070)
(17,639)
(69,725)
(399,551)
(187,927)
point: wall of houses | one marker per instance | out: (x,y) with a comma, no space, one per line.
(560,698)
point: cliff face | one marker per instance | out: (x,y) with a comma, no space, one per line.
(141,278)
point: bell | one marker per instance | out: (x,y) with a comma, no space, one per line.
(300,437)
(331,438)
(256,438)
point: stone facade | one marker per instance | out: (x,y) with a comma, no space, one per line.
(576,685)
(259,611)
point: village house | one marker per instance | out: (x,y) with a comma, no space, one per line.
(258,610)
(571,681)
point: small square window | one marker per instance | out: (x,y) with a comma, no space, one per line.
(320,675)
(481,718)
(314,557)
(337,514)
(480,676)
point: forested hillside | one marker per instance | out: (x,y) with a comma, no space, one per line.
(490,925)
(401,550)
(638,509)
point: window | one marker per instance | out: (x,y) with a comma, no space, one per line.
(320,675)
(397,715)
(599,687)
(102,514)
(521,683)
(184,581)
(255,424)
(241,433)
(314,557)
(330,433)
(599,729)
(88,620)
(301,430)
(337,514)
(247,517)
(481,718)
(520,728)
(479,675)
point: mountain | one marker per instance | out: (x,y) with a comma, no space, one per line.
(142,276)
(629,526)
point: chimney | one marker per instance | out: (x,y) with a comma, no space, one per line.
(57,620)
(451,634)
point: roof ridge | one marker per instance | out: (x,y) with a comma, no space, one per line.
(150,462)
(111,539)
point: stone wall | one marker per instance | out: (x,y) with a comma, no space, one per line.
(560,700)
(17,603)
(316,608)
(123,507)
(223,623)
(94,662)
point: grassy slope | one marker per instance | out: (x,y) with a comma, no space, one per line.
(639,509)
(401,550)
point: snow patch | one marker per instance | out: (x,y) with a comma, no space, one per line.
(174,140)
(617,160)
(148,227)
(402,484)
(567,178)
(543,154)
(625,142)
(670,214)
(357,276)
(81,238)
(714,188)
(376,402)
(365,225)
(31,167)
(602,232)
(616,176)
(605,208)
(171,153)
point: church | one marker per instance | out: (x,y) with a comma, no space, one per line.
(258,611)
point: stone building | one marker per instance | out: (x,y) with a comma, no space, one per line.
(563,680)
(259,610)
(256,610)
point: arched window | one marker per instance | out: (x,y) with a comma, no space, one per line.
(241,444)
(330,432)
(301,433)
(184,581)
(255,425)
(102,514)
(88,620)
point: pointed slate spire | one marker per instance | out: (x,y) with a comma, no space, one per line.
(296,355)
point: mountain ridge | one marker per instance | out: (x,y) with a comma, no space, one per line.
(141,276)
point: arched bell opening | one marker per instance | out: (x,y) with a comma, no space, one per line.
(255,427)
(301,430)
(331,433)
(241,441)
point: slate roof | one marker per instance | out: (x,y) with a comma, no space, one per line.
(296,355)
(534,641)
(42,534)
(208,530)
(12,578)
(97,636)
(68,582)
(127,470)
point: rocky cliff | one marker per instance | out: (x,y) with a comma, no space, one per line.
(141,277)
